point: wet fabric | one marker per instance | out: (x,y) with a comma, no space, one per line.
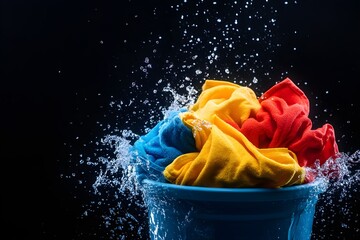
(263,147)
(283,121)
(219,99)
(229,159)
(228,101)
(231,138)
(159,147)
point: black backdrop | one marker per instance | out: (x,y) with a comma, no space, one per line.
(57,74)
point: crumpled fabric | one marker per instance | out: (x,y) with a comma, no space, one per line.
(283,121)
(231,138)
(228,101)
(229,159)
(219,99)
(154,151)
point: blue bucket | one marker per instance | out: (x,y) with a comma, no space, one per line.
(190,212)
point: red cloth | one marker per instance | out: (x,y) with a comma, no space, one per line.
(283,121)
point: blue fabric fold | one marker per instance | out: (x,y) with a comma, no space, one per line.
(169,139)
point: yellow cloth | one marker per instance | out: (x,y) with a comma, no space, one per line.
(226,158)
(229,101)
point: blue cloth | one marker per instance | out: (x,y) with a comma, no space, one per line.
(169,139)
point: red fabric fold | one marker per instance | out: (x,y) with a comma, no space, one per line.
(283,121)
(319,144)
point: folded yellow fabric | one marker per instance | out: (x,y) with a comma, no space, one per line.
(230,102)
(200,128)
(228,159)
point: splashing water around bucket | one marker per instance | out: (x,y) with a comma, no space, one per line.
(191,212)
(166,211)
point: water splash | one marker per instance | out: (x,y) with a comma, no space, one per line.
(239,46)
(108,176)
(339,179)
(338,206)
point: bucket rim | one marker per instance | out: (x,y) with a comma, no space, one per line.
(201,193)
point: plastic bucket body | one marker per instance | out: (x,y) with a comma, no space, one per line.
(190,212)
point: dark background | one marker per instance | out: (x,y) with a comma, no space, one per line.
(58,76)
